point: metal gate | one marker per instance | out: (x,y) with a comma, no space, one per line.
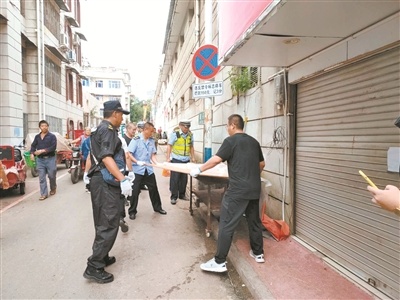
(345,123)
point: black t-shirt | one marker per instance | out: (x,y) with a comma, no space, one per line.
(127,139)
(243,154)
(104,142)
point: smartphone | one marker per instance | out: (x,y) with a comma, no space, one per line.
(367,179)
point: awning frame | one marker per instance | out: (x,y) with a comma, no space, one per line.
(57,53)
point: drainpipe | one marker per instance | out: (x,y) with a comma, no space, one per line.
(197,27)
(43,64)
(207,101)
(39,58)
(286,145)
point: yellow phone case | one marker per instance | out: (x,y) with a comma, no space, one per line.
(367,179)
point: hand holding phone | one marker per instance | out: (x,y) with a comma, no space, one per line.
(367,179)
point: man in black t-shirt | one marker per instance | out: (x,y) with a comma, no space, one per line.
(245,163)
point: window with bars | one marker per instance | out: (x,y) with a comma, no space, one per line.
(114,84)
(52,75)
(51,18)
(243,78)
(99,83)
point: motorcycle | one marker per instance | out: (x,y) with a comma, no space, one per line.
(77,167)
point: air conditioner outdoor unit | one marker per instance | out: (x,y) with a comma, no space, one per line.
(77,39)
(71,56)
(64,39)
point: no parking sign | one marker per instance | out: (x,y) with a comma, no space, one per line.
(205,62)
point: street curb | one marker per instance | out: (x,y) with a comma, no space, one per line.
(253,283)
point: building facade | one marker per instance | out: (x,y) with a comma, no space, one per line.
(40,68)
(107,84)
(322,98)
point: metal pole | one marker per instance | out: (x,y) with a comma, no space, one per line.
(207,101)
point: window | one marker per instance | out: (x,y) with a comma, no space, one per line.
(254,75)
(85,82)
(182,103)
(99,83)
(53,75)
(24,64)
(113,98)
(51,17)
(114,84)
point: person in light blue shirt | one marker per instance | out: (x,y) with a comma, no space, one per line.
(143,150)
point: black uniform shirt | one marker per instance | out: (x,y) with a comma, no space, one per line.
(104,142)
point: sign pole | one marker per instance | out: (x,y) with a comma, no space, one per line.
(207,101)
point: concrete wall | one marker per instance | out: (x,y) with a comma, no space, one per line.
(11,104)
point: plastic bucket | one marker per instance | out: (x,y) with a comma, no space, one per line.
(28,161)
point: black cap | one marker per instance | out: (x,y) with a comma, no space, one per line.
(114,106)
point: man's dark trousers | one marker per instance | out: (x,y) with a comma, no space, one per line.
(106,205)
(178,181)
(150,181)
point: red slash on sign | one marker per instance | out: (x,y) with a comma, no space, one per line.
(205,62)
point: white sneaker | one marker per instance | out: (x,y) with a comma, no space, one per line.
(212,266)
(257,258)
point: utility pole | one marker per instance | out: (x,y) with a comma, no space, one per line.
(208,101)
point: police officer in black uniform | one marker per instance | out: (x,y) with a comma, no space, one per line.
(106,204)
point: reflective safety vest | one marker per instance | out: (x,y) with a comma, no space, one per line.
(182,145)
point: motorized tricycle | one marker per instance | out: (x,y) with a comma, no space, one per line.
(12,169)
(77,165)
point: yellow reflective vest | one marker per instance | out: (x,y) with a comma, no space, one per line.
(182,145)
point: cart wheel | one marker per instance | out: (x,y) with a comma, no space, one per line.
(34,172)
(22,188)
(75,175)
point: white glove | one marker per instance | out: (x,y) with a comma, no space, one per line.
(131,176)
(86,179)
(140,163)
(126,187)
(195,172)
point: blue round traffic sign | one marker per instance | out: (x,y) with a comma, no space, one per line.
(205,62)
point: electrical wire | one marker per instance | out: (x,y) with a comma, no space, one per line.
(278,140)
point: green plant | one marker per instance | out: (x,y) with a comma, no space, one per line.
(240,81)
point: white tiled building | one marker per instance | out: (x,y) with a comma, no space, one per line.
(40,58)
(107,84)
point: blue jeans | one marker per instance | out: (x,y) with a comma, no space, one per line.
(46,166)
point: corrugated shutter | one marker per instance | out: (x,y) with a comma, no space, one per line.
(345,124)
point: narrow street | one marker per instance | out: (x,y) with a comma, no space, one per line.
(45,244)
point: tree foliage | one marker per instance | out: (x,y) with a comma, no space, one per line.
(137,110)
(241,81)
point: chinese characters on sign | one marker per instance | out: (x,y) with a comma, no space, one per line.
(209,89)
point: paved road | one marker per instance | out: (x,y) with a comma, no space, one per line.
(45,244)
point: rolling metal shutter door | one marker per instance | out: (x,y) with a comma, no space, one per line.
(345,124)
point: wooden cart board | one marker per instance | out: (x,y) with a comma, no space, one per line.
(220,170)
